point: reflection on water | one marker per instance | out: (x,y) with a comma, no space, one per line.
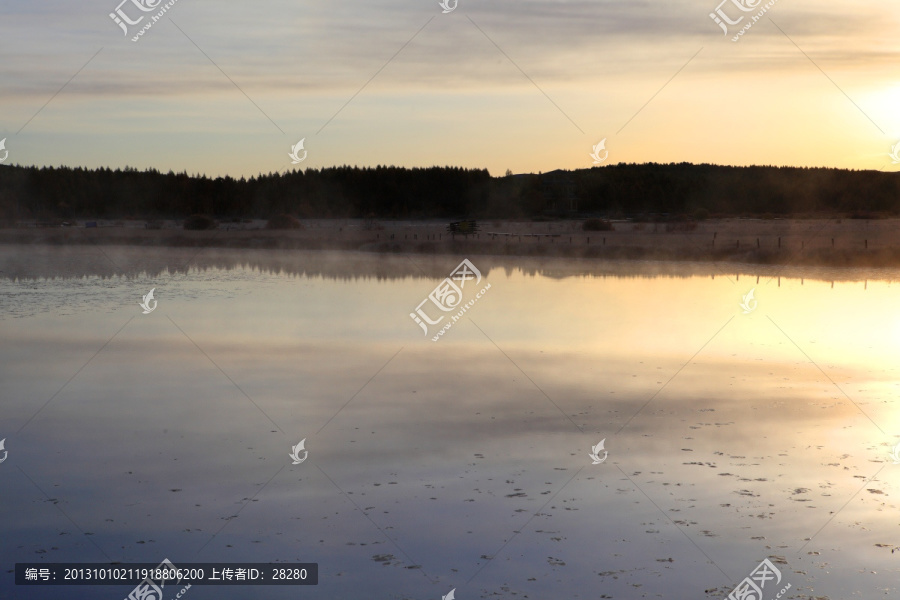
(45,262)
(458,464)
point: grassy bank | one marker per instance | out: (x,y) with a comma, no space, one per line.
(825,242)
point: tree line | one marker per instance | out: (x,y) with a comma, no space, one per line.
(623,190)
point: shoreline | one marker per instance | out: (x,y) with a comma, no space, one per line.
(46,262)
(815,242)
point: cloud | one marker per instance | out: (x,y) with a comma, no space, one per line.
(412,77)
(323,47)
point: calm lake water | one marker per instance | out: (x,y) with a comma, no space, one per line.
(458,464)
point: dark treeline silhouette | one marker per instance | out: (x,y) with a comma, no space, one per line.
(441,192)
(330,192)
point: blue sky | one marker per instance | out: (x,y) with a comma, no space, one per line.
(228,87)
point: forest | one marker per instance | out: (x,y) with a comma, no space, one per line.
(616,191)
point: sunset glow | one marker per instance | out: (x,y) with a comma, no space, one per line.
(229,88)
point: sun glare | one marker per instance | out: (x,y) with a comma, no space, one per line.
(883,103)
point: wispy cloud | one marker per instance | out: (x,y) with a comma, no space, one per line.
(599,61)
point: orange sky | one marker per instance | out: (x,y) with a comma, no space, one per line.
(520,85)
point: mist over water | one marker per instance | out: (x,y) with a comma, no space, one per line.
(462,463)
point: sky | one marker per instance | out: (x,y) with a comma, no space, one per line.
(228,88)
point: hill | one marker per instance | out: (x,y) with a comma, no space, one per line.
(655,191)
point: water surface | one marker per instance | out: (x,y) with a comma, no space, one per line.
(461,463)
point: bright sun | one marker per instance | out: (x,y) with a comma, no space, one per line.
(883,103)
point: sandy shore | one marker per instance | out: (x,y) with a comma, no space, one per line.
(826,242)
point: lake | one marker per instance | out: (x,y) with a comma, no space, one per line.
(736,427)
